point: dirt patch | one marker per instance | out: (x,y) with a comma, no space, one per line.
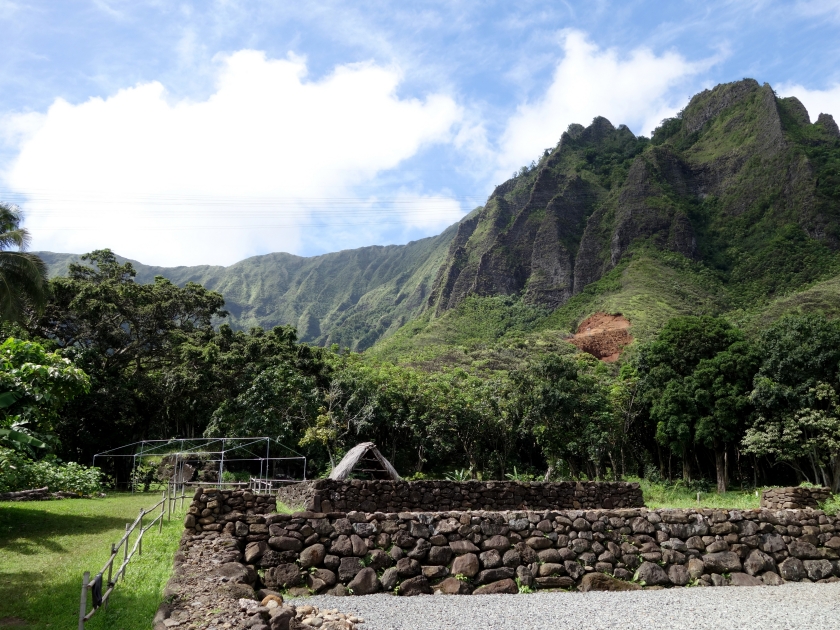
(603,336)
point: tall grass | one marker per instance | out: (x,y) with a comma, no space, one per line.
(679,495)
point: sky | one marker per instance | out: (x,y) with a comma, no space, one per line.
(185,133)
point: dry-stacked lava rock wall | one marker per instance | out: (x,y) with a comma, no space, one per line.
(497,552)
(797,498)
(326,495)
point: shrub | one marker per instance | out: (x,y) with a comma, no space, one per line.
(18,472)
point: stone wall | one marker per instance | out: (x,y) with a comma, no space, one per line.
(327,495)
(486,552)
(797,498)
(216,510)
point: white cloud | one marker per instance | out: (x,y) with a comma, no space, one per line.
(149,177)
(636,90)
(815,101)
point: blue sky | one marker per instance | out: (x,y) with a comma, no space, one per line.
(206,132)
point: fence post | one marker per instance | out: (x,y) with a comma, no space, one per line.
(125,552)
(163,508)
(83,601)
(140,540)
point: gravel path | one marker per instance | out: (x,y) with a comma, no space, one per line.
(799,606)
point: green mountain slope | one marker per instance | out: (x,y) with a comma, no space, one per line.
(352,297)
(731,208)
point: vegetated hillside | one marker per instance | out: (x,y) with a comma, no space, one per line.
(351,297)
(731,207)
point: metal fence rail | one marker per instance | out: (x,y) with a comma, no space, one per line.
(167,504)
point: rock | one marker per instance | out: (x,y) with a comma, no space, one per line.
(603,582)
(234,572)
(312,556)
(389,579)
(420,549)
(555,581)
(678,574)
(792,569)
(539,542)
(551,568)
(241,529)
(380,560)
(743,579)
(332,562)
(696,568)
(524,575)
(283,576)
(359,547)
(434,572)
(502,586)
(440,555)
(718,580)
(722,562)
(717,546)
(494,575)
(771,543)
(641,525)
(341,546)
(408,567)
(254,551)
(651,574)
(339,590)
(772,579)
(325,575)
(551,555)
(574,569)
(365,582)
(490,559)
(315,584)
(758,562)
(415,586)
(460,547)
(817,569)
(511,558)
(466,564)
(418,530)
(803,550)
(285,543)
(695,542)
(349,567)
(452,586)
(189,521)
(499,543)
(280,617)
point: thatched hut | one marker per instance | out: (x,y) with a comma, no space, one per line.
(364,458)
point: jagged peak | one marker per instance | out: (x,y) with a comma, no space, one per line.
(827,122)
(709,103)
(796,109)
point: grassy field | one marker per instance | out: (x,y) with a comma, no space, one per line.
(662,495)
(46,546)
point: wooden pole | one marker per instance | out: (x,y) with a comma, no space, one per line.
(83,601)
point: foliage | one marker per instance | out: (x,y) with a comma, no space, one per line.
(35,385)
(18,472)
(23,276)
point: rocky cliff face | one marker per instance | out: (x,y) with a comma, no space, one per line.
(738,162)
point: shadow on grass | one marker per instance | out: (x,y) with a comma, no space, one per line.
(26,531)
(23,596)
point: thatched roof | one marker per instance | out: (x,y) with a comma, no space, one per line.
(371,460)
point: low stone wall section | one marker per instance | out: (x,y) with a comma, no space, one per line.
(327,495)
(796,498)
(215,510)
(478,552)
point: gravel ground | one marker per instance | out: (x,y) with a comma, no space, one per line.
(799,606)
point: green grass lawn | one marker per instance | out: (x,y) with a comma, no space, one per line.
(46,546)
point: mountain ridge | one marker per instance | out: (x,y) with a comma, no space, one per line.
(731,207)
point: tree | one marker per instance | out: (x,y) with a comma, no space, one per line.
(795,393)
(35,384)
(23,276)
(665,367)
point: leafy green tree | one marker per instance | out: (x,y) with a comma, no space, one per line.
(666,366)
(35,385)
(795,395)
(23,276)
